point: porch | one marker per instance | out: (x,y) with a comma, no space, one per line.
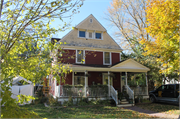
(100,81)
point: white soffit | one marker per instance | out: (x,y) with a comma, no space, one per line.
(130,64)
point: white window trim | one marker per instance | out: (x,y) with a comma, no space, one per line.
(85,33)
(106,74)
(93,34)
(83,57)
(73,78)
(97,38)
(88,35)
(104,59)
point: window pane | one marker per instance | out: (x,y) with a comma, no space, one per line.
(98,35)
(79,80)
(107,57)
(90,34)
(79,55)
(107,60)
(82,34)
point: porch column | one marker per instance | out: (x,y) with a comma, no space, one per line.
(146,79)
(126,78)
(85,82)
(55,85)
(146,84)
(109,83)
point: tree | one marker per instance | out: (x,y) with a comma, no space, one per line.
(129,18)
(163,26)
(23,54)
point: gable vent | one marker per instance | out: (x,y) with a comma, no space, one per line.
(91,20)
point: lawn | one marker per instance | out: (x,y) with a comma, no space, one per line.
(84,112)
(161,107)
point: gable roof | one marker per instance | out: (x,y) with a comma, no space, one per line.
(73,40)
(95,25)
(130,64)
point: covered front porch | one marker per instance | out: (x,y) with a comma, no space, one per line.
(103,82)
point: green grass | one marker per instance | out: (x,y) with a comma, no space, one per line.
(84,112)
(161,107)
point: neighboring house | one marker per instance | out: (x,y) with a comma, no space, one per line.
(101,55)
(20,86)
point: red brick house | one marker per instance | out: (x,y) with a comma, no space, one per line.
(95,59)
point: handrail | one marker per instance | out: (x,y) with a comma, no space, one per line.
(114,94)
(130,92)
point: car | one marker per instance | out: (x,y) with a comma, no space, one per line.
(165,93)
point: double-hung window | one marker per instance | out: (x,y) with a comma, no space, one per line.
(79,56)
(79,80)
(107,58)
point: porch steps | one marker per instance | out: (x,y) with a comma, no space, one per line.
(124,103)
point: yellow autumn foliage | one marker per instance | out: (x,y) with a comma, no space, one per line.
(163,26)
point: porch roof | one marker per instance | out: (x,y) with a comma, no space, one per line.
(129,65)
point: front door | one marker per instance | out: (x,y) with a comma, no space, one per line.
(105,79)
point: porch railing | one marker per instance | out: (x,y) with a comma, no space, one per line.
(140,90)
(80,91)
(72,91)
(130,92)
(97,91)
(114,94)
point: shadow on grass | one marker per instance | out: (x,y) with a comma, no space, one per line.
(83,112)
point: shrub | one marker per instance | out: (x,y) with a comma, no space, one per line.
(53,102)
(69,102)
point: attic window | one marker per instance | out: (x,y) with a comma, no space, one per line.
(98,36)
(90,35)
(82,34)
(91,20)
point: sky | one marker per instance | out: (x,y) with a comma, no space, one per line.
(97,8)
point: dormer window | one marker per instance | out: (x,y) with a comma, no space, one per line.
(82,34)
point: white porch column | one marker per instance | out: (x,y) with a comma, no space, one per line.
(126,78)
(146,79)
(55,87)
(146,84)
(85,81)
(109,83)
(59,89)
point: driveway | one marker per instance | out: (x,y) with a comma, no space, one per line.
(151,113)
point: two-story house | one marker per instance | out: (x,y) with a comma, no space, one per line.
(95,59)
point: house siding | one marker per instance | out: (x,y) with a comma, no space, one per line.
(94,58)
(115,58)
(95,77)
(117,81)
(68,56)
(68,80)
